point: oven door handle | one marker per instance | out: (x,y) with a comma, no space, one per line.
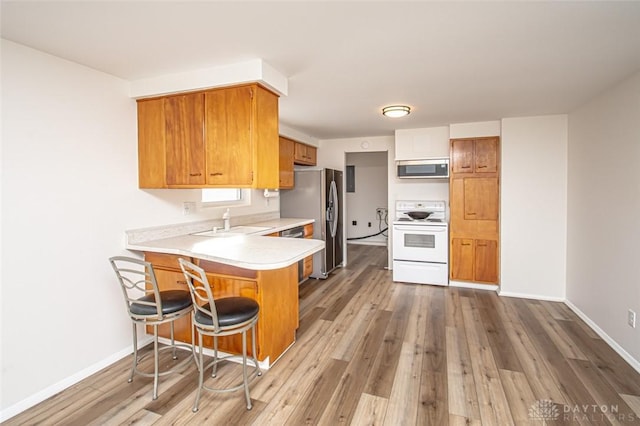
(427,228)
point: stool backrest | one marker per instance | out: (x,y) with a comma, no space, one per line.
(201,292)
(139,286)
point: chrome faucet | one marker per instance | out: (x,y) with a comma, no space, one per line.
(226,218)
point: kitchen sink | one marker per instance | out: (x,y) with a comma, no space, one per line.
(233,231)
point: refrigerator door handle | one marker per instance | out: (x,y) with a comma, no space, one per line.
(332,210)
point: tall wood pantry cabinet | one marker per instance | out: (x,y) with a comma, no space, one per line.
(224,137)
(474,186)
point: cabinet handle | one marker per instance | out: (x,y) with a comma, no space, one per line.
(195,174)
(470,214)
(482,167)
(466,244)
(482,245)
(181,282)
(215,174)
(465,167)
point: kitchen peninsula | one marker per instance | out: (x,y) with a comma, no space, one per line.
(256,265)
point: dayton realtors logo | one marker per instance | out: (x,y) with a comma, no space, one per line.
(545,411)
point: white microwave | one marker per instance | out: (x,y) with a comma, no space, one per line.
(427,168)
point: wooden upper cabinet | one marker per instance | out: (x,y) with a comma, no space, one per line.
(286,163)
(216,138)
(476,155)
(293,152)
(229,140)
(184,127)
(151,144)
(304,154)
(462,155)
(486,155)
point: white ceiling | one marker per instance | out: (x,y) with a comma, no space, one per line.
(452,62)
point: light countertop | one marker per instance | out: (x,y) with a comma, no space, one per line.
(249,251)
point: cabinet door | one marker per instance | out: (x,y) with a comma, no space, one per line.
(286,163)
(481,199)
(151,144)
(230,287)
(307,267)
(462,155)
(304,154)
(462,259)
(184,129)
(173,280)
(312,155)
(308,230)
(486,261)
(229,146)
(486,155)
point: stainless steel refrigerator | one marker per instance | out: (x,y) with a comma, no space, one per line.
(318,195)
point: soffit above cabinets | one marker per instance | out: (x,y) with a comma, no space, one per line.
(255,70)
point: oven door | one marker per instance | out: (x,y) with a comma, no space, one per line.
(420,243)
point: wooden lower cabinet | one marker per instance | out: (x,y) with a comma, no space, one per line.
(462,259)
(173,280)
(486,261)
(276,291)
(474,260)
(308,267)
(308,261)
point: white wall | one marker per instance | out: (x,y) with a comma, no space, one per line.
(69,191)
(603,263)
(371,187)
(533,207)
(474,130)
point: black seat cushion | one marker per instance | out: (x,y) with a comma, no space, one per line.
(172,301)
(230,310)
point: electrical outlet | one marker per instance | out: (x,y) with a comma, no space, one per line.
(188,207)
(381,211)
(631,318)
(354,222)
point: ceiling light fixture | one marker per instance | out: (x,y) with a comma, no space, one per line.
(395,111)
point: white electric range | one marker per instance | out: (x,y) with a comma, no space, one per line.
(421,242)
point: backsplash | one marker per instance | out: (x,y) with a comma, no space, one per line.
(135,236)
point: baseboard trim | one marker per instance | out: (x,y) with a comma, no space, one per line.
(368,243)
(476,286)
(50,391)
(634,363)
(530,296)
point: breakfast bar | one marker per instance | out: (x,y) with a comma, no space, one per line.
(264,268)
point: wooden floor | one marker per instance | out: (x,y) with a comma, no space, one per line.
(373,352)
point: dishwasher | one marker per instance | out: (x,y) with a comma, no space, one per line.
(296,232)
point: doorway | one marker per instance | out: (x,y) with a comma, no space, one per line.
(366,198)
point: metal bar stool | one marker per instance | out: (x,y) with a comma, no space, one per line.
(220,317)
(147,305)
